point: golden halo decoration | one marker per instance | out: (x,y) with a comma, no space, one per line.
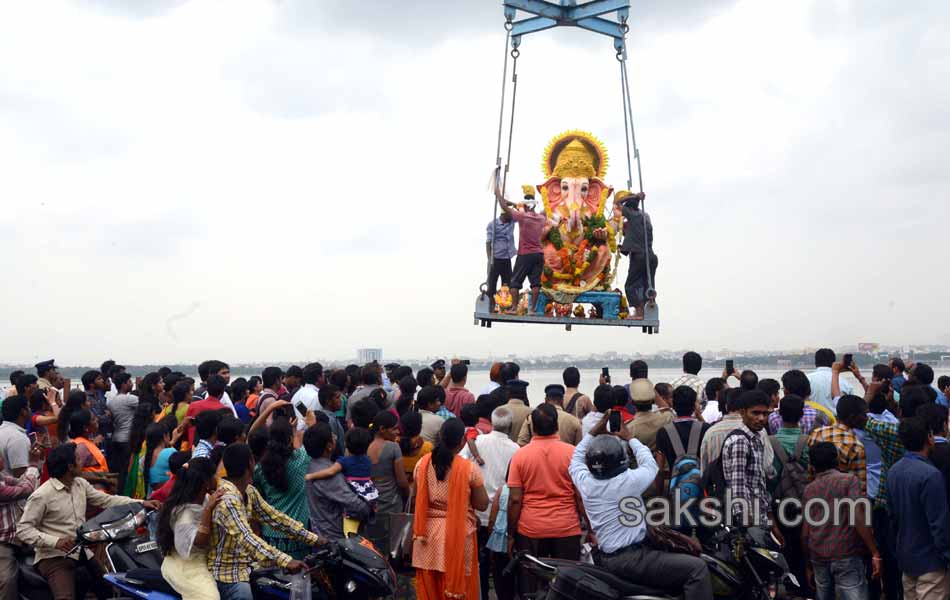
(575,153)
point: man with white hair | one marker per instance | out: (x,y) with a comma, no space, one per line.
(496,449)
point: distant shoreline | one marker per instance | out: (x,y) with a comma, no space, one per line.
(760,362)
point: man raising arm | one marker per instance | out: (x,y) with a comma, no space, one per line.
(532,227)
(612,495)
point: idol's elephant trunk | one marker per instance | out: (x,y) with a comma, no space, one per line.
(574,221)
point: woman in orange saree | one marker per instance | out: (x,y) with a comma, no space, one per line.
(449,489)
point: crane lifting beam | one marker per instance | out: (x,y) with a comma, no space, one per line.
(568,13)
(549,307)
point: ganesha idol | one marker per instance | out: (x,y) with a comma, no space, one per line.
(579,240)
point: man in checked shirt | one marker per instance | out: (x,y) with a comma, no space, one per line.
(852,413)
(234,545)
(743,465)
(834,545)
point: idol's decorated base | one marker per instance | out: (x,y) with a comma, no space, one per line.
(604,305)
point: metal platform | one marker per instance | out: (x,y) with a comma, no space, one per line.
(650,323)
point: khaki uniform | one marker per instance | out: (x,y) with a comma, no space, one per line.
(568,429)
(645,426)
(519,414)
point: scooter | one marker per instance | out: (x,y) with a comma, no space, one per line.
(744,564)
(126,548)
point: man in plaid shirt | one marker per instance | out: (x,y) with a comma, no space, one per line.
(852,412)
(835,546)
(692,365)
(743,464)
(14,490)
(234,545)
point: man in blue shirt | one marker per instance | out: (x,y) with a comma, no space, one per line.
(918,503)
(613,498)
(500,248)
(943,391)
(897,368)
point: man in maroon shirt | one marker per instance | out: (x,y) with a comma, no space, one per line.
(216,385)
(530,262)
(456,395)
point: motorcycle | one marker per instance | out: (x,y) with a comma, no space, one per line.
(744,564)
(351,567)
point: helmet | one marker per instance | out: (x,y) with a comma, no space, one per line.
(606,457)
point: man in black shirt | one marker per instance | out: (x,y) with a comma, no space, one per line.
(638,246)
(935,416)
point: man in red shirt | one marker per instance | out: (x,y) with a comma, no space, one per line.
(216,385)
(621,396)
(543,506)
(530,262)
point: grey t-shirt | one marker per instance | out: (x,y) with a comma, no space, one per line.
(123,409)
(14,447)
(384,476)
(329,499)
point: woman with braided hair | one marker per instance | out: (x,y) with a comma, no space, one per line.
(449,489)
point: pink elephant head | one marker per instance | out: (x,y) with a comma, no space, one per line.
(573,198)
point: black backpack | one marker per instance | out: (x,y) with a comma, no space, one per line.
(714,478)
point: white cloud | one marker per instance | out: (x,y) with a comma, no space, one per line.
(283,187)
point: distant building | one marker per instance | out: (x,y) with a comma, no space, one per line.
(368,355)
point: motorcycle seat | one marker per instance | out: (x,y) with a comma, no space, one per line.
(624,586)
(151,579)
(270,572)
(31,578)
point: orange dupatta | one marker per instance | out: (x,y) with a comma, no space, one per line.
(101,465)
(455,526)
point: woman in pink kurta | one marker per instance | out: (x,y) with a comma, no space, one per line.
(449,491)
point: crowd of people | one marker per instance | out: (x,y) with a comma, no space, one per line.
(260,471)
